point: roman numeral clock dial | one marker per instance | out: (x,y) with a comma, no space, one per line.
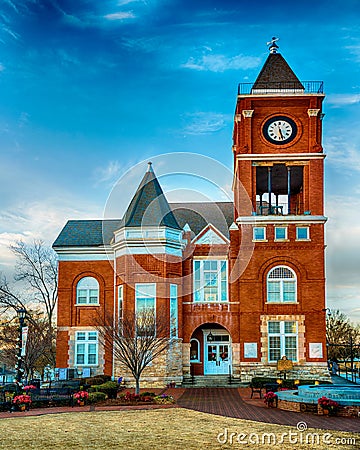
(279,130)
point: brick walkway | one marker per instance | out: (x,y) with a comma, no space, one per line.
(228,402)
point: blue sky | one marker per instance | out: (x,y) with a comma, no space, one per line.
(89,89)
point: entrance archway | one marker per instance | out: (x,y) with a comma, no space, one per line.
(210,350)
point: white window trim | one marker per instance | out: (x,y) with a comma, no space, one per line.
(307,234)
(259,240)
(136,298)
(79,288)
(202,281)
(281,239)
(176,316)
(282,336)
(86,343)
(281,280)
(120,305)
(198,351)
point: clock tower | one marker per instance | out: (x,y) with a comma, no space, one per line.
(279,209)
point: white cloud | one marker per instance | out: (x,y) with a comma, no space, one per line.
(221,63)
(122,15)
(339,100)
(37,220)
(109,173)
(205,122)
(343,155)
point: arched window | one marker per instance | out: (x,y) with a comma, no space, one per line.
(87,291)
(281,285)
(194,350)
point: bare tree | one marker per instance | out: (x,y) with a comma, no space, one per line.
(339,331)
(39,347)
(136,341)
(36,274)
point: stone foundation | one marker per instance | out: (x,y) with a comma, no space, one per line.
(316,371)
(165,369)
(344,411)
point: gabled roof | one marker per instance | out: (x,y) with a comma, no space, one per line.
(149,206)
(277,71)
(96,233)
(210,235)
(199,215)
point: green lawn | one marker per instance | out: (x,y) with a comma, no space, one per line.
(152,429)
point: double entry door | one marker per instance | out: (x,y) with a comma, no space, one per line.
(217,355)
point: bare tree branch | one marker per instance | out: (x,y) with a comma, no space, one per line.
(136,341)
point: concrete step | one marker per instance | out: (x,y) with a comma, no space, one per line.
(212,381)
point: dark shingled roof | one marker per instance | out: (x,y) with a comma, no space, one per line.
(149,206)
(89,233)
(198,215)
(276,73)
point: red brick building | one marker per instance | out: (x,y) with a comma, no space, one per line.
(241,285)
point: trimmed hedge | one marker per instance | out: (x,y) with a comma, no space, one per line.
(110,388)
(98,379)
(95,397)
(260,382)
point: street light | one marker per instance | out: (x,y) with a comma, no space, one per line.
(21,315)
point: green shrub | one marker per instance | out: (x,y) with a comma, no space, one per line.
(147,394)
(95,397)
(110,388)
(98,379)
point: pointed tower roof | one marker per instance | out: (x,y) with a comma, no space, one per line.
(276,72)
(149,206)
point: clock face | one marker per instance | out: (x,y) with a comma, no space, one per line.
(279,130)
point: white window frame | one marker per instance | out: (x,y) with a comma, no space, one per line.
(281,283)
(149,297)
(174,319)
(120,306)
(282,335)
(198,350)
(86,339)
(307,238)
(255,238)
(87,291)
(199,284)
(282,238)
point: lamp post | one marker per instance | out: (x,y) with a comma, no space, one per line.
(21,315)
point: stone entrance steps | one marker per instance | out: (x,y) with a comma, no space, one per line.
(211,381)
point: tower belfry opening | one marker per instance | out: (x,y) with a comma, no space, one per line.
(279,189)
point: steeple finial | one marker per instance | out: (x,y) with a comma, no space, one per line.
(273,46)
(150,169)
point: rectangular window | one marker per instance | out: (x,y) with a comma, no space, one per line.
(210,281)
(282,340)
(280,233)
(173,311)
(302,233)
(86,348)
(120,306)
(145,301)
(259,234)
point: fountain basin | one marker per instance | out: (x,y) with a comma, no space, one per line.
(305,399)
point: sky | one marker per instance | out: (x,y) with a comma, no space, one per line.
(90,90)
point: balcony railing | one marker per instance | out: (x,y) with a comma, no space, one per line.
(289,87)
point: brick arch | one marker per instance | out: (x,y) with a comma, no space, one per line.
(292,263)
(92,274)
(201,324)
(295,265)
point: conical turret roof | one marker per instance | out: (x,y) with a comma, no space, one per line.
(277,74)
(149,206)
